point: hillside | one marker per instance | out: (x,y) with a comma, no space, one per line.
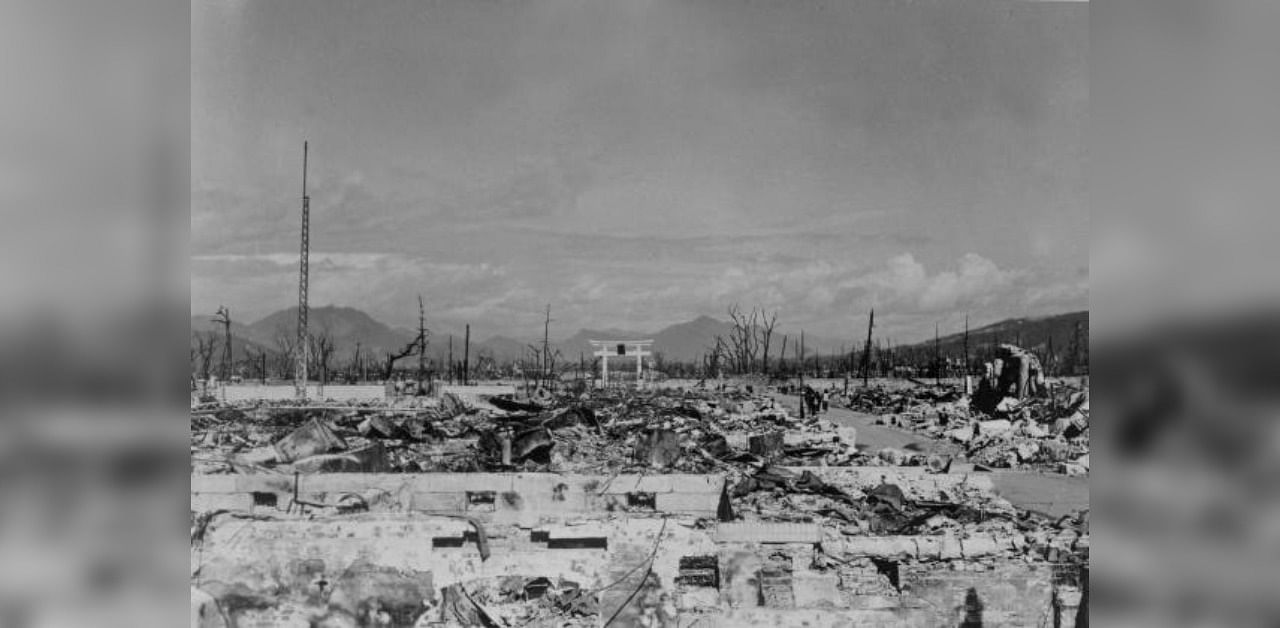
(682,342)
(1029,333)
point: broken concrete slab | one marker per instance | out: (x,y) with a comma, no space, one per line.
(311,439)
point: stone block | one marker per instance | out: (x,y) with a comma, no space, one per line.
(691,503)
(879,546)
(981,545)
(739,532)
(440,502)
(949,548)
(813,590)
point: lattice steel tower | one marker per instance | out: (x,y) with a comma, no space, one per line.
(300,366)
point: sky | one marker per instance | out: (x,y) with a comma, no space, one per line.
(640,163)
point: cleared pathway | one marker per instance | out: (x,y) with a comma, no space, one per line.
(1051,494)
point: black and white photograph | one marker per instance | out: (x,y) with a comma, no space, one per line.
(662,313)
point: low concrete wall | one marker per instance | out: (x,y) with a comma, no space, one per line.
(250,392)
(473,393)
(263,571)
(521,497)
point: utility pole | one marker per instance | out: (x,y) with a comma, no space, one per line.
(356,364)
(802,395)
(967,366)
(1075,349)
(546,349)
(224,317)
(866,353)
(466,356)
(1048,357)
(300,367)
(422,342)
(451,366)
(848,364)
(937,359)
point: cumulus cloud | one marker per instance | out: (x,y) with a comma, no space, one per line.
(975,280)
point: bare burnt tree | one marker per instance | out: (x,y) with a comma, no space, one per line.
(252,363)
(322,349)
(389,366)
(486,364)
(548,360)
(742,338)
(659,362)
(285,340)
(722,352)
(764,337)
(423,333)
(205,345)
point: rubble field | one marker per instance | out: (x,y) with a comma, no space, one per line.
(1047,433)
(672,507)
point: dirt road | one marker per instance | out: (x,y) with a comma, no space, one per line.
(1052,494)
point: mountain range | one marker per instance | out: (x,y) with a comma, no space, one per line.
(682,342)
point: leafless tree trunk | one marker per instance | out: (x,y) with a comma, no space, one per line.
(422,339)
(205,344)
(486,364)
(285,341)
(392,358)
(742,338)
(722,351)
(322,350)
(764,336)
(548,360)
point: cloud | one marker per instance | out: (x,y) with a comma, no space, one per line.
(379,283)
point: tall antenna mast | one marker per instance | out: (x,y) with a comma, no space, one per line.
(866,352)
(300,367)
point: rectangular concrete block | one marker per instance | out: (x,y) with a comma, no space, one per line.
(814,590)
(878,546)
(641,484)
(693,503)
(739,532)
(213,483)
(203,502)
(981,545)
(462,482)
(586,530)
(261,483)
(440,502)
(929,547)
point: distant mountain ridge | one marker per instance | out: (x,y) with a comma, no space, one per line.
(682,342)
(1038,334)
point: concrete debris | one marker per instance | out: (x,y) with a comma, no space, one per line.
(312,438)
(658,448)
(650,507)
(1046,428)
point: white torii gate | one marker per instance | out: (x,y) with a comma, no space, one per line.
(621,348)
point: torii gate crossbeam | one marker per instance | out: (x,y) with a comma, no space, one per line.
(604,349)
